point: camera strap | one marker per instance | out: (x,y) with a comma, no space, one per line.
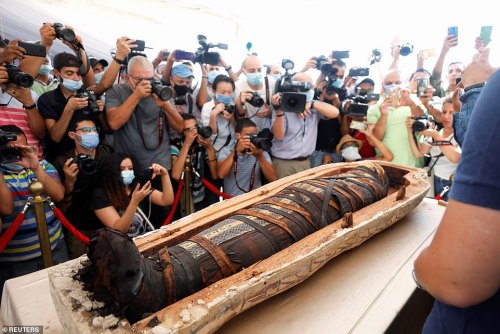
(189,99)
(441,143)
(252,174)
(266,81)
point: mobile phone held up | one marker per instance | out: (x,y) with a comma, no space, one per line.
(486,34)
(422,85)
(453,31)
(146,176)
(32,49)
(184,55)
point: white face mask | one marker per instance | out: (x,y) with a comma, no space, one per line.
(351,153)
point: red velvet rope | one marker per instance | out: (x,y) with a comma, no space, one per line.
(11,231)
(174,205)
(214,189)
(82,237)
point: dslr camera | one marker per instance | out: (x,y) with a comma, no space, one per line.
(293,97)
(18,77)
(262,140)
(203,56)
(162,91)
(8,154)
(230,108)
(422,123)
(180,101)
(204,131)
(86,164)
(92,107)
(64,33)
(406,49)
(256,100)
(359,105)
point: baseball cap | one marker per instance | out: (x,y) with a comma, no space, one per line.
(94,61)
(65,59)
(182,71)
(366,80)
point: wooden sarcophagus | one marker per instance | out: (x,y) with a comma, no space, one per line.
(204,269)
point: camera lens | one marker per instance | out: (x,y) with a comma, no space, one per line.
(256,100)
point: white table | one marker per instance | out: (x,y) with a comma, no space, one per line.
(360,291)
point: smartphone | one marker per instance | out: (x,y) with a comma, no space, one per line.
(140,45)
(165,55)
(33,49)
(422,85)
(486,34)
(183,55)
(359,72)
(372,97)
(358,125)
(146,176)
(394,96)
(340,54)
(453,31)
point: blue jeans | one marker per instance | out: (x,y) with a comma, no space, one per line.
(10,270)
(439,185)
(316,158)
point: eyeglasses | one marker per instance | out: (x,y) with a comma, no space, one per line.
(87,129)
(139,79)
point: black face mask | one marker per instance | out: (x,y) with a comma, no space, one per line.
(181,90)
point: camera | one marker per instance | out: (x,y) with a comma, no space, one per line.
(180,100)
(162,91)
(18,77)
(262,140)
(293,97)
(230,108)
(8,154)
(256,100)
(92,107)
(203,56)
(140,45)
(337,55)
(422,123)
(376,56)
(406,49)
(204,131)
(359,72)
(86,164)
(64,33)
(359,105)
(323,64)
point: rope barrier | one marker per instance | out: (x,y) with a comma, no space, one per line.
(11,231)
(82,237)
(214,189)
(177,197)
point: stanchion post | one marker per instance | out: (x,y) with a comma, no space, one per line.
(37,189)
(188,205)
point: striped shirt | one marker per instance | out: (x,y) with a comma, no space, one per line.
(25,243)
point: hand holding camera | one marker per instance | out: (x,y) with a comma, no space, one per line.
(29,156)
(71,170)
(11,52)
(124,46)
(77,102)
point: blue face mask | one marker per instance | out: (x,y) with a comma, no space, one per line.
(224,99)
(276,77)
(90,140)
(212,75)
(45,69)
(128,176)
(338,83)
(98,77)
(12,167)
(310,95)
(388,88)
(254,79)
(72,85)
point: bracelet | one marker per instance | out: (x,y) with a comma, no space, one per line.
(280,115)
(121,62)
(205,77)
(229,68)
(414,276)
(31,106)
(212,160)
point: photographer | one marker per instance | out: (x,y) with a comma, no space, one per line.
(182,99)
(295,133)
(200,150)
(22,254)
(79,169)
(253,95)
(441,145)
(241,167)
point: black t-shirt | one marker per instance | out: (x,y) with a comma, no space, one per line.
(328,134)
(79,213)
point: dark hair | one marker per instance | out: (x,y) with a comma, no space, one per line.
(421,70)
(455,62)
(111,180)
(13,128)
(244,123)
(77,118)
(339,62)
(222,78)
(186,117)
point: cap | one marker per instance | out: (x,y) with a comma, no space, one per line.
(65,59)
(94,61)
(347,139)
(182,71)
(366,80)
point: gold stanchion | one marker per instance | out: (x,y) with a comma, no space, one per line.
(37,189)
(188,201)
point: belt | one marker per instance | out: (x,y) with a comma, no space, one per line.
(300,158)
(326,150)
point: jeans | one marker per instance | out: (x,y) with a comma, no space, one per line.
(316,158)
(439,185)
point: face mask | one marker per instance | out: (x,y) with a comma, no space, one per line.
(181,90)
(350,153)
(310,95)
(127,176)
(254,79)
(45,69)
(388,88)
(276,77)
(338,83)
(224,99)
(12,167)
(98,77)
(90,140)
(212,75)
(72,85)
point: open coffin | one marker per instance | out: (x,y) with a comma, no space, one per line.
(208,309)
